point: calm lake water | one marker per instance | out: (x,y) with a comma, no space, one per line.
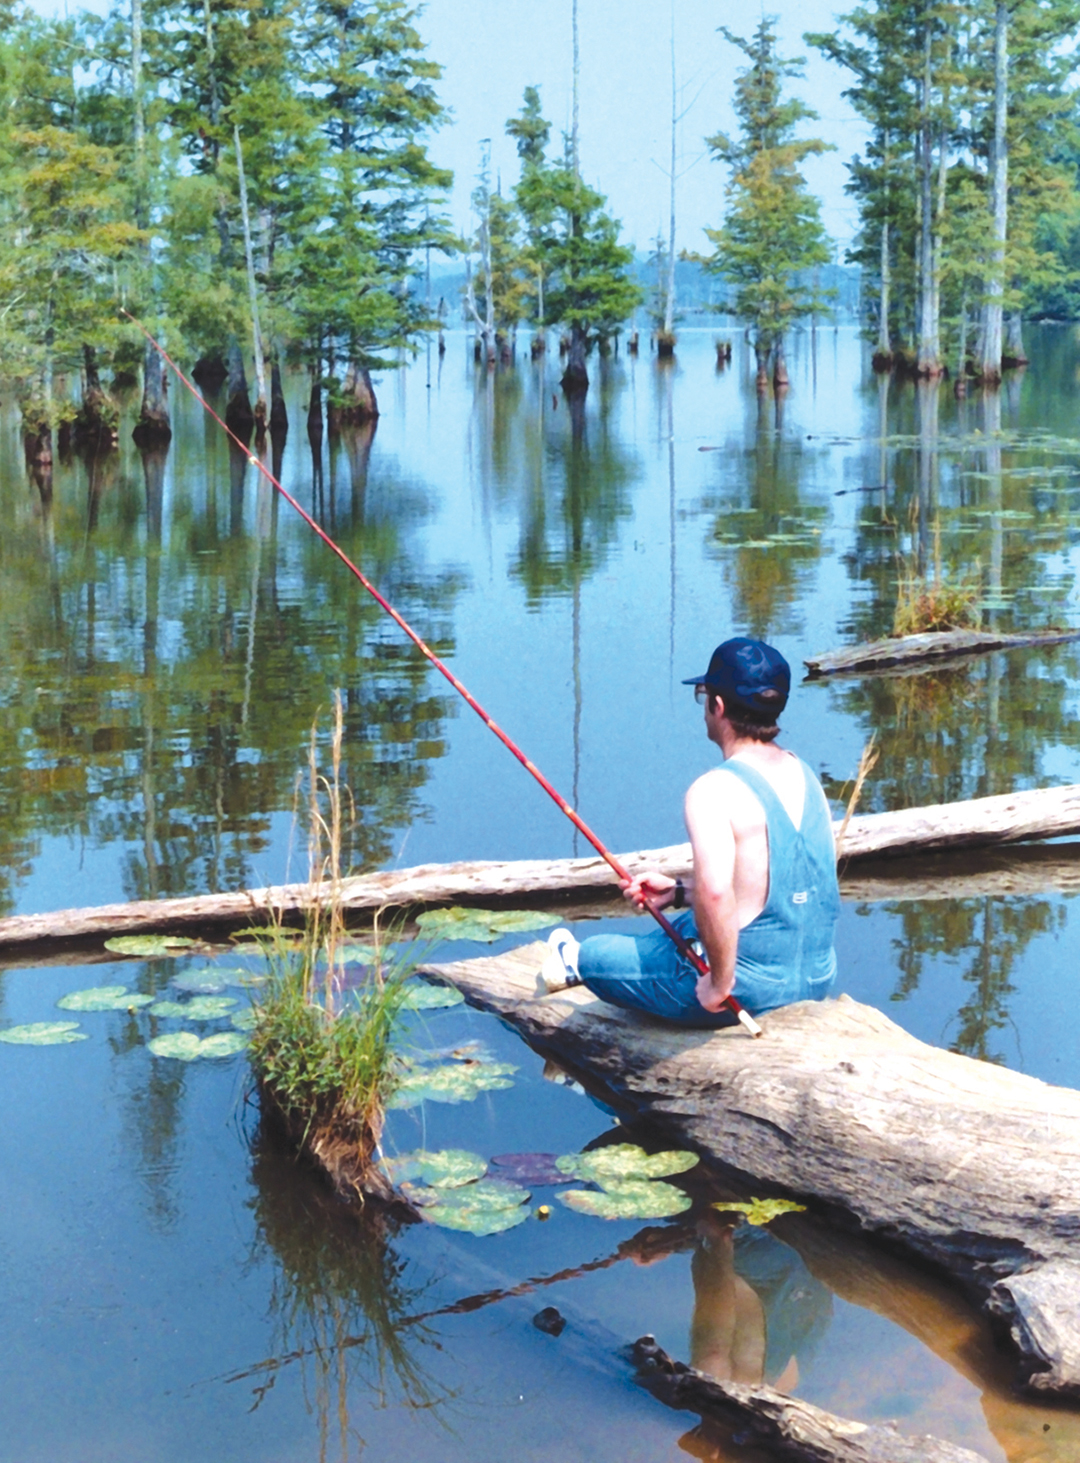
(175,1289)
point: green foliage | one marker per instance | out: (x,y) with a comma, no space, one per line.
(147,945)
(446,1168)
(485,925)
(772,232)
(630,1200)
(420,995)
(455,1082)
(624,1162)
(185,1046)
(930,603)
(199,1008)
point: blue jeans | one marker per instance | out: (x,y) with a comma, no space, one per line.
(647,973)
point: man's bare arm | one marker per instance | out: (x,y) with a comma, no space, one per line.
(716,913)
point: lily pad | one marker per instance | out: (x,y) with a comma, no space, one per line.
(449,1167)
(644,1200)
(762,1211)
(222,1044)
(147,944)
(456,1082)
(483,925)
(199,1008)
(480,1222)
(103,998)
(483,1194)
(624,1163)
(43,1033)
(244,1020)
(185,1046)
(420,995)
(356,954)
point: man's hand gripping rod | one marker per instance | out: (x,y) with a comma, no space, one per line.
(665,924)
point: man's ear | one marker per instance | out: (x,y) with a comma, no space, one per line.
(717,703)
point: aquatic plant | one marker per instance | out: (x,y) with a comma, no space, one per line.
(627,1176)
(761,1211)
(926,603)
(185,1046)
(148,945)
(43,1033)
(104,998)
(321,1054)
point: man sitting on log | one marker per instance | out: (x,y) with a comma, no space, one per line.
(763,899)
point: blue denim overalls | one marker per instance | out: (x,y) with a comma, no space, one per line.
(785,954)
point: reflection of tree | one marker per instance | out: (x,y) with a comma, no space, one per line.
(768,538)
(339,1296)
(163,673)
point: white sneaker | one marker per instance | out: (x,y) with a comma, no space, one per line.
(560,969)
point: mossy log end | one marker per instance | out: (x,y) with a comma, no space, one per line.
(924,649)
(795,1429)
(342,1150)
(972,1167)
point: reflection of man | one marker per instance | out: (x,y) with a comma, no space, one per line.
(764,894)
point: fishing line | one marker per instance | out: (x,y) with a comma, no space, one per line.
(681,943)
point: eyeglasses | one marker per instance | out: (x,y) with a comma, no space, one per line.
(701,694)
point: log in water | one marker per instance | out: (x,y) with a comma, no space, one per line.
(982,822)
(971,1166)
(925,649)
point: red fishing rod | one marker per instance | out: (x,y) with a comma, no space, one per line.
(681,943)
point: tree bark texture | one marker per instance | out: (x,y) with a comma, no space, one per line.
(153,429)
(929,350)
(1014,353)
(95,424)
(279,414)
(982,823)
(970,1166)
(360,405)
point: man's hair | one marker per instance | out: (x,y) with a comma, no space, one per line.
(744,723)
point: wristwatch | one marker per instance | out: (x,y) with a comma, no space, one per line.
(679,902)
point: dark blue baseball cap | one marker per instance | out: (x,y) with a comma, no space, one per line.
(749,675)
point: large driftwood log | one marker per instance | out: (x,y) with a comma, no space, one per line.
(987,822)
(925,650)
(973,1167)
(788,1426)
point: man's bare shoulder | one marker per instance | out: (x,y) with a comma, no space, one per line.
(718,790)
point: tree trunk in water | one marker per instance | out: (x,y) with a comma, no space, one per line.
(210,373)
(361,406)
(153,427)
(1014,353)
(761,352)
(883,354)
(253,293)
(314,413)
(279,415)
(927,362)
(575,379)
(989,362)
(95,424)
(238,414)
(780,376)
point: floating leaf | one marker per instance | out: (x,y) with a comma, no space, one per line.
(222,1044)
(448,1167)
(183,1045)
(355,954)
(761,1211)
(420,995)
(483,1194)
(624,1162)
(483,925)
(245,1020)
(644,1200)
(43,1033)
(147,944)
(103,998)
(459,1082)
(480,1222)
(199,1008)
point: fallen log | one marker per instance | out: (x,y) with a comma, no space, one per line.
(788,1426)
(972,1167)
(924,649)
(1007,818)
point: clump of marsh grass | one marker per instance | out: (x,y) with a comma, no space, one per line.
(321,1053)
(928,602)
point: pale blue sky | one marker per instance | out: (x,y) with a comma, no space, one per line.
(492,49)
